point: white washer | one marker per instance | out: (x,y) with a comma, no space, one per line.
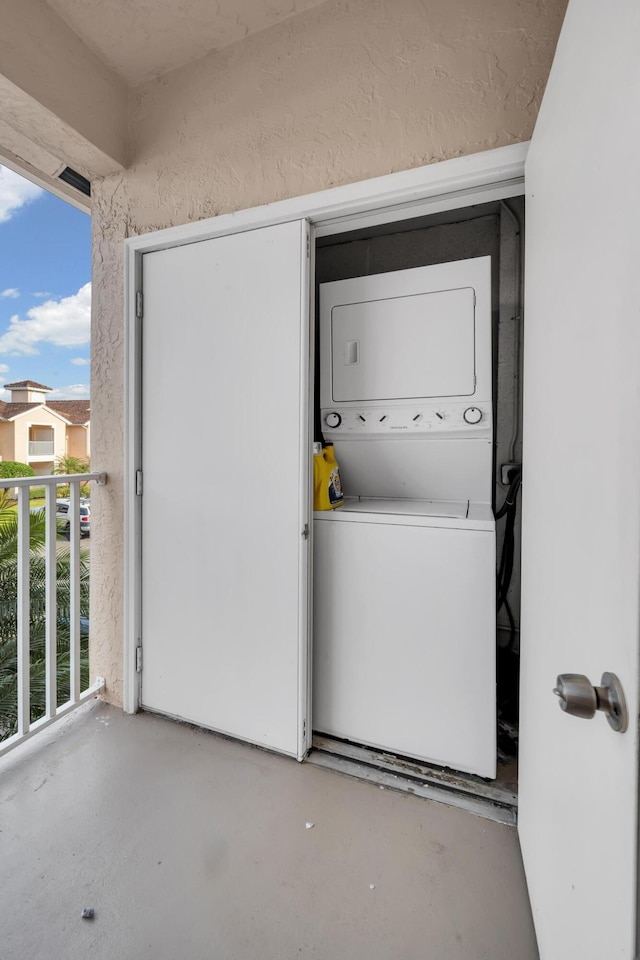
(404,629)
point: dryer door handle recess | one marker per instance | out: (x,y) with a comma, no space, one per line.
(351,352)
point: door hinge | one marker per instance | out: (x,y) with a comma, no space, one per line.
(138,659)
(304,728)
(308,246)
(305,532)
(138,483)
(139,304)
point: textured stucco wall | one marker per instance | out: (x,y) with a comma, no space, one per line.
(57,91)
(349,90)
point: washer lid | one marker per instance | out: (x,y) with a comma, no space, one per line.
(452,509)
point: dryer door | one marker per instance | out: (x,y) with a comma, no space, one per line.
(426,341)
(407,335)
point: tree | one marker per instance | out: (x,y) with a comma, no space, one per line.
(8,470)
(13,468)
(69,465)
(37,620)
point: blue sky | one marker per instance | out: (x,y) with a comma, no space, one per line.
(45,289)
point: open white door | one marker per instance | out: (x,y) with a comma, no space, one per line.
(225,453)
(581,493)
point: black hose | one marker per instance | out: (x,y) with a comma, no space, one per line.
(512,492)
(505,570)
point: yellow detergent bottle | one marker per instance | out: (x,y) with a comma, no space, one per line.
(327,488)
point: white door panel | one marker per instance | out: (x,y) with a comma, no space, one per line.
(581,490)
(225,451)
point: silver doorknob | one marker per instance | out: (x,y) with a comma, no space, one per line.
(579,697)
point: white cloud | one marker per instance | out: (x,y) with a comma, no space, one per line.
(15,192)
(11,292)
(4,394)
(77,391)
(81,361)
(65,323)
(42,294)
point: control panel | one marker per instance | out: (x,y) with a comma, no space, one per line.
(459,418)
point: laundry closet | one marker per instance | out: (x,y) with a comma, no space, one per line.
(416,388)
(369,630)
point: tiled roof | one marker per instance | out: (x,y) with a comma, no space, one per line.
(26,385)
(75,411)
(10,410)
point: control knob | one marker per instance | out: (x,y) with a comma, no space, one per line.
(333,419)
(472,415)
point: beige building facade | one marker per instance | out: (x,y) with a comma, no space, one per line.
(40,433)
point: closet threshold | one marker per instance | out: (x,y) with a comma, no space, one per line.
(496,800)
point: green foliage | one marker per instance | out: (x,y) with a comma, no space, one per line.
(13,468)
(37,620)
(70,465)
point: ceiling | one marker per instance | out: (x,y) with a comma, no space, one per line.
(142,39)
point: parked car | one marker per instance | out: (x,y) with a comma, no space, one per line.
(64,624)
(64,520)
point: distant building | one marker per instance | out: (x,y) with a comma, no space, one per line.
(38,431)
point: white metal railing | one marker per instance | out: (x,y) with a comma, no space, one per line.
(24,726)
(41,448)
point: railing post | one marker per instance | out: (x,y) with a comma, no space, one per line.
(51,535)
(74,612)
(24,727)
(23,636)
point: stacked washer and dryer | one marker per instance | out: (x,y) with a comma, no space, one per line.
(404,571)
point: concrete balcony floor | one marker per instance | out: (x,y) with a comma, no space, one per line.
(192,847)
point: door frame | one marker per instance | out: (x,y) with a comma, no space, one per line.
(450,184)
